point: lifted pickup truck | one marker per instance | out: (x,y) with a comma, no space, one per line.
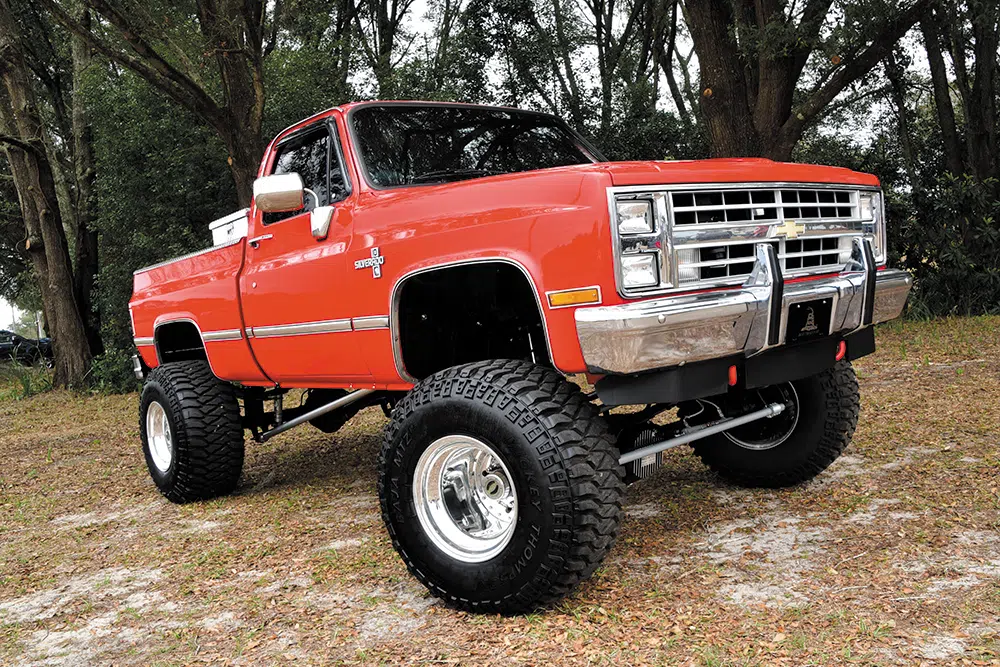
(454,264)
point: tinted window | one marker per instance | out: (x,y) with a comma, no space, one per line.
(312,157)
(409,145)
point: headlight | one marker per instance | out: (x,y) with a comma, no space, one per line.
(872,212)
(635,216)
(640,271)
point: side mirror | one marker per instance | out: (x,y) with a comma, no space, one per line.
(279,193)
(320,219)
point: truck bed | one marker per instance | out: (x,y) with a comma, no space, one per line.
(202,289)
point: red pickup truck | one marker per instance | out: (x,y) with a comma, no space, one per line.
(454,264)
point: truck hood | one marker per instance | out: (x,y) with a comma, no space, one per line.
(730,170)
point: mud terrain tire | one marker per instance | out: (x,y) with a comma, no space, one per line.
(203,453)
(828,405)
(561,462)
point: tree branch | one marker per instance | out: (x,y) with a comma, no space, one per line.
(25,146)
(881,46)
(158,72)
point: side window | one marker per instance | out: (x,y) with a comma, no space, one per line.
(307,156)
(315,158)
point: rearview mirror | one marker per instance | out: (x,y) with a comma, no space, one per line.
(279,193)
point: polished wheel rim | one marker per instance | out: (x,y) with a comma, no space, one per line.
(161,445)
(770,432)
(465,498)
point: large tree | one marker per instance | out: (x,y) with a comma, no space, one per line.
(24,138)
(753,54)
(59,63)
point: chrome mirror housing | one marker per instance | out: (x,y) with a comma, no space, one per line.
(319,220)
(279,193)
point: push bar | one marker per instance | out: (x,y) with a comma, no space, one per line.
(702,432)
(318,412)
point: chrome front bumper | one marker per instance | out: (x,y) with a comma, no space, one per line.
(672,331)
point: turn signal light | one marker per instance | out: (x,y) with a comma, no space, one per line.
(841,350)
(574,297)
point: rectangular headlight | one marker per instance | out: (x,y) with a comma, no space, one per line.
(640,271)
(635,216)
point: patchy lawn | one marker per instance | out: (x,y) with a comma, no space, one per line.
(892,556)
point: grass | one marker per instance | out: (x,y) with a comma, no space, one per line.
(95,566)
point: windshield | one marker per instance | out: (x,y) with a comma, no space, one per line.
(412,145)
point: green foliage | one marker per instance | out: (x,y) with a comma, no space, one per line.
(112,372)
(161,177)
(652,135)
(951,244)
(18,381)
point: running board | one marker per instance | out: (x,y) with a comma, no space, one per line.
(318,412)
(702,432)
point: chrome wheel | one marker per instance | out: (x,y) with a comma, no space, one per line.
(158,437)
(768,433)
(465,498)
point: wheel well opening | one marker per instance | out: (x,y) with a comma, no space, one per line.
(179,341)
(460,314)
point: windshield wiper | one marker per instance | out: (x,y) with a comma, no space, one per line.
(451,175)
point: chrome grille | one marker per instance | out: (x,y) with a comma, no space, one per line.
(737,218)
(704,236)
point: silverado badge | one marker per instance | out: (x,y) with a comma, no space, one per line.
(375,262)
(789,229)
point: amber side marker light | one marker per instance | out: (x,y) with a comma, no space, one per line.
(574,297)
(841,350)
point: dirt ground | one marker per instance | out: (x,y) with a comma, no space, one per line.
(892,556)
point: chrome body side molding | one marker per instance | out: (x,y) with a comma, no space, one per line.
(371,322)
(323,327)
(219,336)
(302,328)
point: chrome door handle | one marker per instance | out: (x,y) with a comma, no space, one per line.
(255,241)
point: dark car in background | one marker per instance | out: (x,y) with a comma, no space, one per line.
(24,350)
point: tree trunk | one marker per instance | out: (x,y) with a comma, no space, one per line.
(36,190)
(241,70)
(85,173)
(724,104)
(897,92)
(244,160)
(942,96)
(982,112)
(748,88)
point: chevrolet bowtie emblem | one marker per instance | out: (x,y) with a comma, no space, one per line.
(789,229)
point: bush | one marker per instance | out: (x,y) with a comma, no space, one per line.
(112,372)
(951,244)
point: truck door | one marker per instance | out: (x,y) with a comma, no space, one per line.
(294,305)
